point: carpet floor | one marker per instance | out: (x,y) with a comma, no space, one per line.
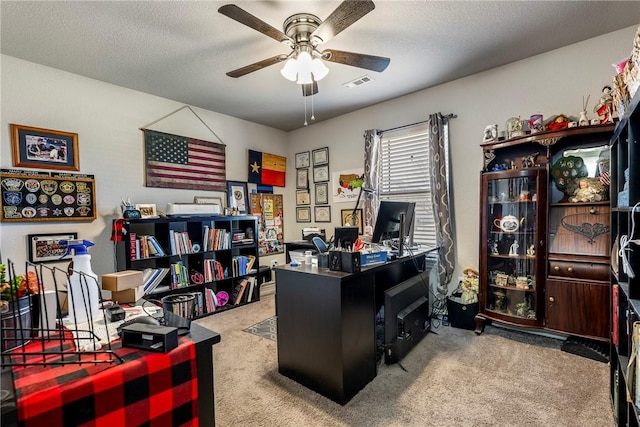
(453,377)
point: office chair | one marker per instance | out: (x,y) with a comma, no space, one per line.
(320,245)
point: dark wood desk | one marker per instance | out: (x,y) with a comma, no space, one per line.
(326,323)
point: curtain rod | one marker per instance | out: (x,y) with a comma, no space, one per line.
(447,116)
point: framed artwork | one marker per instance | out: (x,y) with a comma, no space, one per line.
(321,156)
(322,193)
(321,173)
(49,247)
(303,214)
(322,213)
(147,211)
(303,160)
(302,178)
(237,196)
(206,200)
(44,148)
(303,197)
(348,220)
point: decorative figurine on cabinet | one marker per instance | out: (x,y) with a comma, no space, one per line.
(584,121)
(513,250)
(514,127)
(529,161)
(531,251)
(604,107)
(536,123)
(589,190)
(490,133)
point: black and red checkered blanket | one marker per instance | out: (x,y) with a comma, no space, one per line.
(150,389)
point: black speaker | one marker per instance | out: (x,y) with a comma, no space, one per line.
(350,262)
(335,260)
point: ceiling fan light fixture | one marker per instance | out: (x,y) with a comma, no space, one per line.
(290,70)
(318,69)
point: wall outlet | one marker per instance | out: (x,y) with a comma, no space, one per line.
(274,263)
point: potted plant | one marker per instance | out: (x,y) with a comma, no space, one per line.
(15,307)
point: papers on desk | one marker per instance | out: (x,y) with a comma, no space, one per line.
(309,233)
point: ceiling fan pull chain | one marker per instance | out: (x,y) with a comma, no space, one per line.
(313,117)
(305,111)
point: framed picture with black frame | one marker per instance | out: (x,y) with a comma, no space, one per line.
(237,196)
(302,178)
(303,160)
(49,247)
(322,213)
(322,193)
(303,214)
(321,156)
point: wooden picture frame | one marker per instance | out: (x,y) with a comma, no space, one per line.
(321,156)
(321,173)
(147,210)
(346,215)
(302,178)
(47,247)
(44,148)
(322,213)
(303,160)
(303,197)
(237,196)
(303,214)
(322,193)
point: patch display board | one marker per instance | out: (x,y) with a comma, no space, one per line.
(46,196)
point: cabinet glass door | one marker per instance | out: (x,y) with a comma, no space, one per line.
(511,270)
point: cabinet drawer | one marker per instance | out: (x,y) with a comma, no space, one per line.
(579,270)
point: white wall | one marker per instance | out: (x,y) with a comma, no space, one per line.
(107,119)
(550,83)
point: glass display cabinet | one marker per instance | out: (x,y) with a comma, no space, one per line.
(512,244)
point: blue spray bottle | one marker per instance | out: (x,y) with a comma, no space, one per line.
(84,291)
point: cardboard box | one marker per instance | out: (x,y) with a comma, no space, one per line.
(128,295)
(122,280)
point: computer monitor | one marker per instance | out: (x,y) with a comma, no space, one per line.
(345,237)
(388,221)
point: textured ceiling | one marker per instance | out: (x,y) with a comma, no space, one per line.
(181,50)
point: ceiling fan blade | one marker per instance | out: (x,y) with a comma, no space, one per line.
(310,88)
(234,12)
(370,62)
(256,66)
(343,16)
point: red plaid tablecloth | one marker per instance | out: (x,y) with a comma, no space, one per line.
(150,389)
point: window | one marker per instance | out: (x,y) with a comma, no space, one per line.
(404,174)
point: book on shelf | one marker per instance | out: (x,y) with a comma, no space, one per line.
(252,286)
(179,278)
(132,245)
(154,246)
(616,313)
(239,290)
(152,277)
(633,371)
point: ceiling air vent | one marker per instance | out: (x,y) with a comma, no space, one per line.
(359,81)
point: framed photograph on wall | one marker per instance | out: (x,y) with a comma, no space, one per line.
(322,213)
(303,160)
(321,173)
(237,196)
(302,178)
(348,219)
(44,148)
(322,193)
(303,214)
(49,247)
(321,156)
(303,197)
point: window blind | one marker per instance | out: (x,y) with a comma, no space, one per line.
(404,176)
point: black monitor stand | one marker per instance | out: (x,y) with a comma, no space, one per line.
(401,236)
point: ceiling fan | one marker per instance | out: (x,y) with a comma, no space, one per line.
(304,33)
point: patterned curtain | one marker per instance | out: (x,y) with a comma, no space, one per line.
(371,158)
(441,196)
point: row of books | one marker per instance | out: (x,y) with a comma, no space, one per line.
(243,290)
(143,246)
(214,270)
(180,243)
(215,239)
(242,264)
(179,276)
(152,277)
